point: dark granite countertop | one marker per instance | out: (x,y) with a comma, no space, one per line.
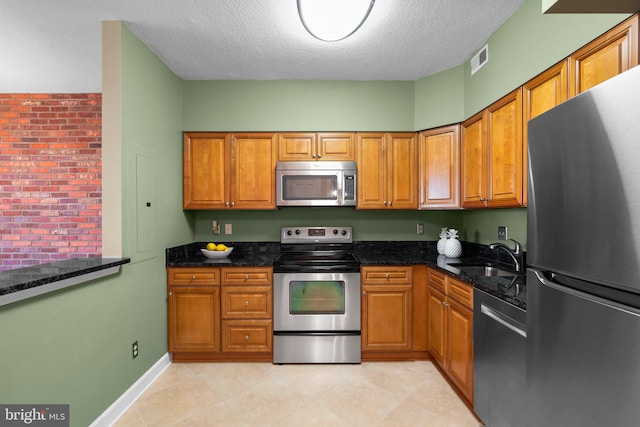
(34,280)
(257,254)
(509,289)
(245,254)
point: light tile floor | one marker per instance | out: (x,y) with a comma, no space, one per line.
(262,394)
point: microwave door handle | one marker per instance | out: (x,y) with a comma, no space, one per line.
(341,186)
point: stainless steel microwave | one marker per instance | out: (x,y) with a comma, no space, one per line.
(316,183)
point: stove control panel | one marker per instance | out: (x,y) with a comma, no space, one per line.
(316,235)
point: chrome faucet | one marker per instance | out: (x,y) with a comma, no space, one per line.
(516,253)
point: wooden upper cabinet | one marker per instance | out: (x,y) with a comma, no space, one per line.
(541,94)
(328,146)
(473,161)
(607,56)
(504,137)
(491,156)
(222,170)
(439,168)
(204,180)
(253,166)
(387,170)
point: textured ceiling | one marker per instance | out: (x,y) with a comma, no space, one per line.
(54,46)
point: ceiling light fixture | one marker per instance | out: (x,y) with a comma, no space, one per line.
(333,20)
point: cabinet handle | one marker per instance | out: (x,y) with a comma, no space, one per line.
(246,303)
(246,277)
(170,293)
(319,156)
(364,292)
(390,203)
(226,203)
(385,202)
(233,204)
(386,276)
(246,337)
(193,277)
(313,156)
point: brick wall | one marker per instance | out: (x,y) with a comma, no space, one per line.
(50,177)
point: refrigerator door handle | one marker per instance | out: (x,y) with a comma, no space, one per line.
(592,298)
(502,319)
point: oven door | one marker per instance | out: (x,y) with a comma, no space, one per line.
(316,302)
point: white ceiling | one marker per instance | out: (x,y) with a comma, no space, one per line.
(54,45)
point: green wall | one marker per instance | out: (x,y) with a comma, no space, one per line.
(440,99)
(367,225)
(298,105)
(74,346)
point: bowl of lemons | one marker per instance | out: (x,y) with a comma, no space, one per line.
(216,251)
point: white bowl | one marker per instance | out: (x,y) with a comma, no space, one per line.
(216,254)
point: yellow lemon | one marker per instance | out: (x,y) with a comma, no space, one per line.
(211,246)
(221,247)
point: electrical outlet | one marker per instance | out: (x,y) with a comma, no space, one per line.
(134,349)
(215,229)
(419,228)
(502,232)
(228,229)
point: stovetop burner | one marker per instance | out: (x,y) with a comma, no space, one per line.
(314,249)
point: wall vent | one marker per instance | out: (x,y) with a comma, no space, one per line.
(479,59)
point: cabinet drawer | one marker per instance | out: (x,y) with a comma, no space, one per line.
(384,275)
(461,292)
(247,276)
(437,280)
(193,276)
(247,335)
(247,302)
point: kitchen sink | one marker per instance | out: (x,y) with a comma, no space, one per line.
(482,270)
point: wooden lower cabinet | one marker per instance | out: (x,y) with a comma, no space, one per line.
(392,319)
(194,319)
(450,330)
(220,314)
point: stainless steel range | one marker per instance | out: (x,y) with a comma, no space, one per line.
(316,297)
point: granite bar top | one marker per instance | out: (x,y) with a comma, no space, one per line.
(26,282)
(262,254)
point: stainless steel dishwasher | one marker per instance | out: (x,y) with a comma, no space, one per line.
(499,339)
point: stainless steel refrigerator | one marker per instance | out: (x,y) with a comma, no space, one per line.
(583,249)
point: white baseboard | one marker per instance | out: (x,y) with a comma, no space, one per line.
(128,398)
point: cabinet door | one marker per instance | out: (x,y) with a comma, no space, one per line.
(204,183)
(612,53)
(504,138)
(437,326)
(474,162)
(439,168)
(386,317)
(298,146)
(460,348)
(194,319)
(336,146)
(402,171)
(541,94)
(372,179)
(253,165)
